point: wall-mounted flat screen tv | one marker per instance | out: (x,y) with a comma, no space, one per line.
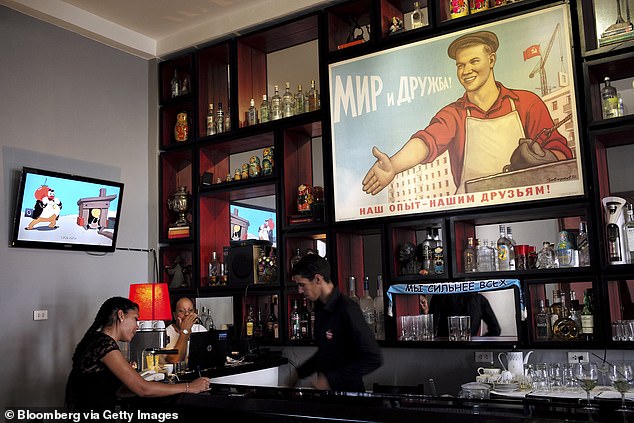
(68,212)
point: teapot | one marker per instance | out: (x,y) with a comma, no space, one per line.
(515,362)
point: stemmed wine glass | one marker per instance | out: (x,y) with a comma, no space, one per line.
(587,375)
(621,376)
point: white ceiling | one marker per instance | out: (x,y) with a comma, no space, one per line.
(155,28)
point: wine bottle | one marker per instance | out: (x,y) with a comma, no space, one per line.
(587,316)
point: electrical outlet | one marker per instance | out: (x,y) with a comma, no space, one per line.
(578,357)
(40,314)
(483,357)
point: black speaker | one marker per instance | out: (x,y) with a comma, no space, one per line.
(243,261)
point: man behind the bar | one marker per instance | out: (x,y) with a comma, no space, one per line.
(346,347)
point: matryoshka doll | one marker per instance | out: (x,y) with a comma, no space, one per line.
(304,198)
(267,154)
(476,6)
(236,175)
(254,167)
(244,174)
(181,129)
(458,8)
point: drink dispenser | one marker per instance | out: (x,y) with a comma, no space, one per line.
(614,220)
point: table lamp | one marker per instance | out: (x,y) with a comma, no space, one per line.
(154,304)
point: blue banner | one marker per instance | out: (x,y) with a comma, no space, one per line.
(460,287)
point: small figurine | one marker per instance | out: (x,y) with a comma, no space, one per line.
(267,168)
(228,178)
(236,175)
(397,25)
(408,265)
(267,154)
(304,198)
(254,167)
(181,129)
(218,180)
(244,174)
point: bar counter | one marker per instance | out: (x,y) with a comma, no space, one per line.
(277,404)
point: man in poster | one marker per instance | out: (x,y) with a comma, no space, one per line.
(489,129)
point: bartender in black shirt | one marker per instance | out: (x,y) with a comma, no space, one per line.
(346,347)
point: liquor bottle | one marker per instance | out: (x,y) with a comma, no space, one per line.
(470,259)
(252,114)
(417,16)
(542,322)
(564,250)
(609,100)
(304,320)
(628,229)
(288,102)
(504,252)
(220,119)
(512,259)
(214,269)
(565,328)
(583,245)
(296,330)
(175,85)
(574,312)
(184,84)
(379,310)
(272,324)
(211,125)
(300,101)
(428,251)
(265,110)
(250,323)
(438,255)
(297,256)
(509,235)
(203,317)
(352,289)
(276,105)
(311,314)
(555,307)
(313,97)
(367,304)
(587,316)
(258,329)
(485,257)
(227,120)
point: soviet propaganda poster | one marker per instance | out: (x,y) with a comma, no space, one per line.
(473,118)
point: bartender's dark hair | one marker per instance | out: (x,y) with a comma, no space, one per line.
(106,316)
(311,265)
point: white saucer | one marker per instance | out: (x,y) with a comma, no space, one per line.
(506,387)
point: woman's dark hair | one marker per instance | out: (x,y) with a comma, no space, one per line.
(311,265)
(106,316)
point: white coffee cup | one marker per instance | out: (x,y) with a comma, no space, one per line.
(489,371)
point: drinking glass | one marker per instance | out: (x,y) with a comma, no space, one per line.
(621,376)
(587,374)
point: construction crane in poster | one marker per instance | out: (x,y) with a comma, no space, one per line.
(540,66)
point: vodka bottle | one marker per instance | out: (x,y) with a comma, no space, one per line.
(300,101)
(175,85)
(276,105)
(485,257)
(265,110)
(628,229)
(417,16)
(288,102)
(214,269)
(470,260)
(304,320)
(313,97)
(509,236)
(587,316)
(583,245)
(542,322)
(609,100)
(252,114)
(272,324)
(211,126)
(379,310)
(352,289)
(504,252)
(367,304)
(220,119)
(438,255)
(250,323)
(296,330)
(428,251)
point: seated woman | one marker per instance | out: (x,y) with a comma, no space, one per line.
(99,369)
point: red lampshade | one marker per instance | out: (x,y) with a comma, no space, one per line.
(153,300)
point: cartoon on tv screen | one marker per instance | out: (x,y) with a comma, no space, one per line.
(59,210)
